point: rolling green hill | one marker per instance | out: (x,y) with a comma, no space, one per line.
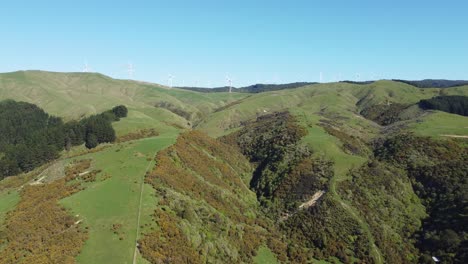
(74,95)
(180,195)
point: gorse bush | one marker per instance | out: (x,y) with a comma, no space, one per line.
(206,213)
(39,230)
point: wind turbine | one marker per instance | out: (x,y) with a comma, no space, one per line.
(229,80)
(321,77)
(169,80)
(86,67)
(130,70)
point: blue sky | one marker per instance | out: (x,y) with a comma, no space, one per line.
(200,42)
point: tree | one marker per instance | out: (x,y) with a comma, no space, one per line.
(120,111)
(101,127)
(91,141)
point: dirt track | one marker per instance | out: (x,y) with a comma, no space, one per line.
(455,136)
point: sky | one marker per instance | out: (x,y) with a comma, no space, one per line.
(201,43)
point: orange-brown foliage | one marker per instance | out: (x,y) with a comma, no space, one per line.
(144,133)
(169,244)
(203,169)
(206,162)
(77,169)
(39,230)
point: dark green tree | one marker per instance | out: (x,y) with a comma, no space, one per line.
(120,111)
(91,141)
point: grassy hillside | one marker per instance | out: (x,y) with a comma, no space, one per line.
(74,95)
(337,101)
(198,197)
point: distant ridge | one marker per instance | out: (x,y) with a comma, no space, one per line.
(434,83)
(362,83)
(256,88)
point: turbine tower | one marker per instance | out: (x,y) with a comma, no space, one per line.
(229,81)
(130,70)
(321,76)
(86,67)
(169,80)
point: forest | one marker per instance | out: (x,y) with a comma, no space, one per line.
(32,137)
(451,104)
(438,171)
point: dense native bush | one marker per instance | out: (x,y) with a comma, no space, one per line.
(206,213)
(285,177)
(305,179)
(30,137)
(271,142)
(450,104)
(383,196)
(439,172)
(327,230)
(384,114)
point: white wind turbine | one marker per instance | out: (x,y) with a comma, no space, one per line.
(130,70)
(170,78)
(358,77)
(229,81)
(86,67)
(321,76)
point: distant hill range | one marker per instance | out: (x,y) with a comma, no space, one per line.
(434,83)
(259,88)
(256,88)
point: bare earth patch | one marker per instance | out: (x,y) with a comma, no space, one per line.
(455,136)
(312,200)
